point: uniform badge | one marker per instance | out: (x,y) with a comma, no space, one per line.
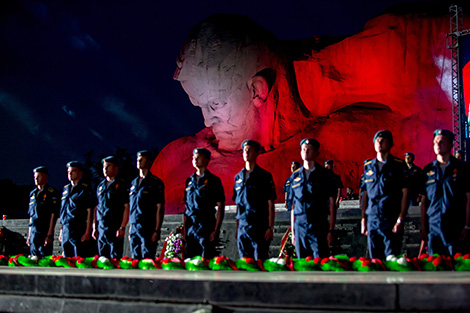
(32,197)
(133,187)
(117,186)
(297,179)
(205,182)
(64,193)
(101,187)
(370,172)
(431,173)
(239,180)
(44,198)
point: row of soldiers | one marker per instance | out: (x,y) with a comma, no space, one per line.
(444,190)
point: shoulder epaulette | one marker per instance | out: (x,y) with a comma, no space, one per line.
(50,189)
(296,170)
(398,160)
(66,185)
(368,161)
(85,185)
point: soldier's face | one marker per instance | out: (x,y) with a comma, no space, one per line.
(199,161)
(409,159)
(110,169)
(382,145)
(442,145)
(74,174)
(40,179)
(308,152)
(249,154)
(142,162)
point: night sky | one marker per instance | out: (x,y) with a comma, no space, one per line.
(85,75)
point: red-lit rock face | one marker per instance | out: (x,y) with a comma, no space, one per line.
(394,75)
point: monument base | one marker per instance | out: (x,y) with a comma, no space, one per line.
(92,290)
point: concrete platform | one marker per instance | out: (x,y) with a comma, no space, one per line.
(92,290)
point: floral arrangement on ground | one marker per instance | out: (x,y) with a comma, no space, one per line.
(337,263)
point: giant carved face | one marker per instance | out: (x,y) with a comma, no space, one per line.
(219,70)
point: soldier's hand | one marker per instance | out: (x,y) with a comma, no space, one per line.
(95,234)
(463,234)
(397,227)
(120,233)
(49,240)
(155,236)
(27,241)
(214,236)
(86,237)
(330,237)
(292,237)
(268,236)
(364,226)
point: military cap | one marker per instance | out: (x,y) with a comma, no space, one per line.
(384,134)
(252,143)
(76,164)
(444,132)
(203,151)
(310,141)
(411,154)
(111,159)
(145,153)
(41,169)
(330,162)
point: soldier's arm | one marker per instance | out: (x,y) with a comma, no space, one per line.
(89,224)
(125,216)
(269,232)
(467,218)
(365,200)
(220,216)
(50,232)
(405,201)
(94,233)
(423,217)
(159,221)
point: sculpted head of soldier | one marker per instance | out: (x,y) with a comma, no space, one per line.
(232,69)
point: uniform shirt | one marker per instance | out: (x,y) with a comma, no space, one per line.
(111,201)
(252,194)
(42,204)
(310,194)
(287,190)
(385,187)
(75,202)
(143,200)
(414,176)
(338,181)
(201,196)
(446,193)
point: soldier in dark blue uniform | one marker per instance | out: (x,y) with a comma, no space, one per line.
(287,185)
(385,200)
(445,205)
(43,211)
(254,194)
(147,208)
(414,176)
(203,193)
(338,181)
(313,195)
(112,212)
(78,202)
